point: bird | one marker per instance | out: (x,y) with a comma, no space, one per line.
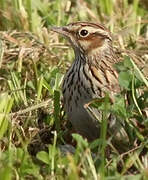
(90,76)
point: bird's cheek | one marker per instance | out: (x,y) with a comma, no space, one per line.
(84,44)
(96,45)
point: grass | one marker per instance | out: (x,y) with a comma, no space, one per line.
(33,61)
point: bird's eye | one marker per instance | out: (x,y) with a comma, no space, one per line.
(83,33)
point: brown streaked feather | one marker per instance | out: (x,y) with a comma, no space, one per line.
(113,84)
(96,74)
(95,25)
(90,76)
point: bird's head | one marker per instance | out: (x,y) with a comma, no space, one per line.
(87,37)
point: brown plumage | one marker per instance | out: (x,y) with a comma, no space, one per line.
(91,74)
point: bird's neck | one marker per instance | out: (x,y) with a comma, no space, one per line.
(96,57)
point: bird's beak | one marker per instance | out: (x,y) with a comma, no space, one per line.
(61,30)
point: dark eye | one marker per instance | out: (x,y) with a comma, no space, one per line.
(83,33)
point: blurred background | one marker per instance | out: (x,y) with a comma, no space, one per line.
(32,15)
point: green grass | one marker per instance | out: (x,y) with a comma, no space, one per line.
(33,61)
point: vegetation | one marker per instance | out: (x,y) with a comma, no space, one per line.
(33,60)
